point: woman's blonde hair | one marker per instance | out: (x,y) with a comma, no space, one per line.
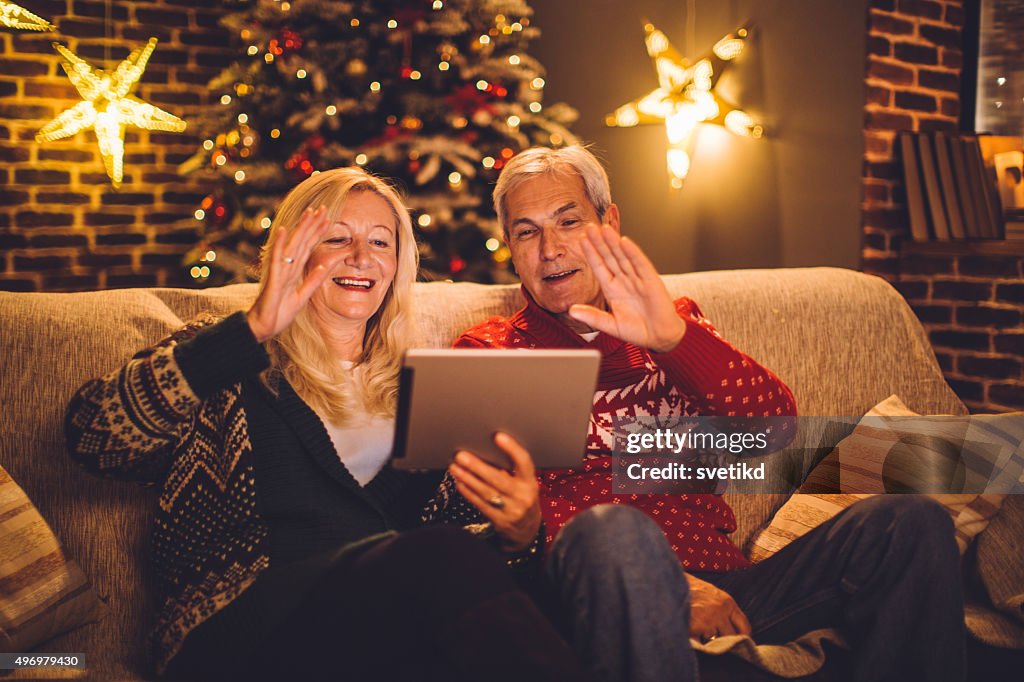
(299,353)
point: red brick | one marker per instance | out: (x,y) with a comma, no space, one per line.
(8,88)
(1009,343)
(40,241)
(120,239)
(189,198)
(131,280)
(961,291)
(881,146)
(41,219)
(104,259)
(36,263)
(886,170)
(952,58)
(950,107)
(76,155)
(13,154)
(144,33)
(81,28)
(876,193)
(992,368)
(916,53)
(96,53)
(967,390)
(65,90)
(31,43)
(71,283)
(915,101)
(921,8)
(886,5)
(956,339)
(101,179)
(17,285)
(939,35)
(126,199)
(160,178)
(912,290)
(878,95)
(922,264)
(1013,293)
(884,120)
(938,80)
(62,198)
(23,67)
(189,236)
(879,45)
(87,8)
(170,56)
(32,176)
(12,241)
(987,316)
(25,111)
(166,218)
(934,314)
(927,124)
(883,23)
(161,17)
(990,266)
(1010,395)
(103,219)
(886,218)
(890,72)
(883,267)
(954,14)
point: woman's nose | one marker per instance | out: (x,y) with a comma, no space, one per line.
(358,254)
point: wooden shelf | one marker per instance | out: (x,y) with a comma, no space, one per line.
(968,247)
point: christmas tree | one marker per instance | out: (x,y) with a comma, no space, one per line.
(434,94)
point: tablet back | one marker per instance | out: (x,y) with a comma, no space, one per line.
(457,399)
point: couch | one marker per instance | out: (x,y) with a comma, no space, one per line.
(842,340)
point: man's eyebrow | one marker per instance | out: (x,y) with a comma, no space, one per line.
(557,212)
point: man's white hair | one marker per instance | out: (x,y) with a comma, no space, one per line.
(565,161)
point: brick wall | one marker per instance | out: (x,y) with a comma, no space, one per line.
(912,83)
(968,296)
(62,226)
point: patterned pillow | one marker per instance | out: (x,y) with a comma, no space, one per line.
(857,468)
(42,592)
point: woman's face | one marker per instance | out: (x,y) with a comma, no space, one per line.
(361,251)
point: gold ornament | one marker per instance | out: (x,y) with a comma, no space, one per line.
(685,97)
(108,107)
(13,16)
(356,67)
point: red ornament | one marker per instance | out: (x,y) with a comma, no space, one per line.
(287,41)
(468,100)
(456,264)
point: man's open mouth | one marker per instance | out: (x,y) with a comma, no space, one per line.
(354,283)
(560,275)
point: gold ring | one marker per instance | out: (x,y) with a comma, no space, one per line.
(497,502)
(289,260)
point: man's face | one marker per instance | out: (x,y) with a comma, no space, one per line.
(547,219)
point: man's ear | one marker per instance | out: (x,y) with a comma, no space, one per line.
(611,218)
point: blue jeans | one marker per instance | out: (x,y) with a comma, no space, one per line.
(884,572)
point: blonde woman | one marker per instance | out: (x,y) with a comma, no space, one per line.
(278,543)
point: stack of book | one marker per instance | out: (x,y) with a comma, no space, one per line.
(962,186)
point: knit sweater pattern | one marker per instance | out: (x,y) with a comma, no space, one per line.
(703,376)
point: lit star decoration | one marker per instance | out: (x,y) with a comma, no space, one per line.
(14,16)
(108,107)
(685,97)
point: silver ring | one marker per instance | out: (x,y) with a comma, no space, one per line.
(497,502)
(289,260)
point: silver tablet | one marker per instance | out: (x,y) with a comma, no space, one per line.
(452,400)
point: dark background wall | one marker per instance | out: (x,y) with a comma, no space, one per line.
(791,199)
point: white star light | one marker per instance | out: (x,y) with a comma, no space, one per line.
(13,16)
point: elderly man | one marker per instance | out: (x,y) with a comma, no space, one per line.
(884,572)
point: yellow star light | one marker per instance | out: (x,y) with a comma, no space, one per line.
(685,97)
(13,16)
(108,107)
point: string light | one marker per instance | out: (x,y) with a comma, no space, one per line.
(239,176)
(354,23)
(243,118)
(455,177)
(199,214)
(361,159)
(485,39)
(424,220)
(514,60)
(482,85)
(331,110)
(415,75)
(1001,81)
(375,86)
(13,16)
(537,83)
(492,244)
(488,162)
(437,5)
(108,106)
(252,50)
(225,99)
(207,145)
(513,121)
(443,66)
(535,107)
(301,73)
(210,256)
(517,26)
(268,58)
(392,23)
(275,133)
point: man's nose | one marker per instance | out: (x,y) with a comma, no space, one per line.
(551,245)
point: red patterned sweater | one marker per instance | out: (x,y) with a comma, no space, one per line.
(704,375)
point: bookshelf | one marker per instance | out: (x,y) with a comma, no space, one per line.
(966,247)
